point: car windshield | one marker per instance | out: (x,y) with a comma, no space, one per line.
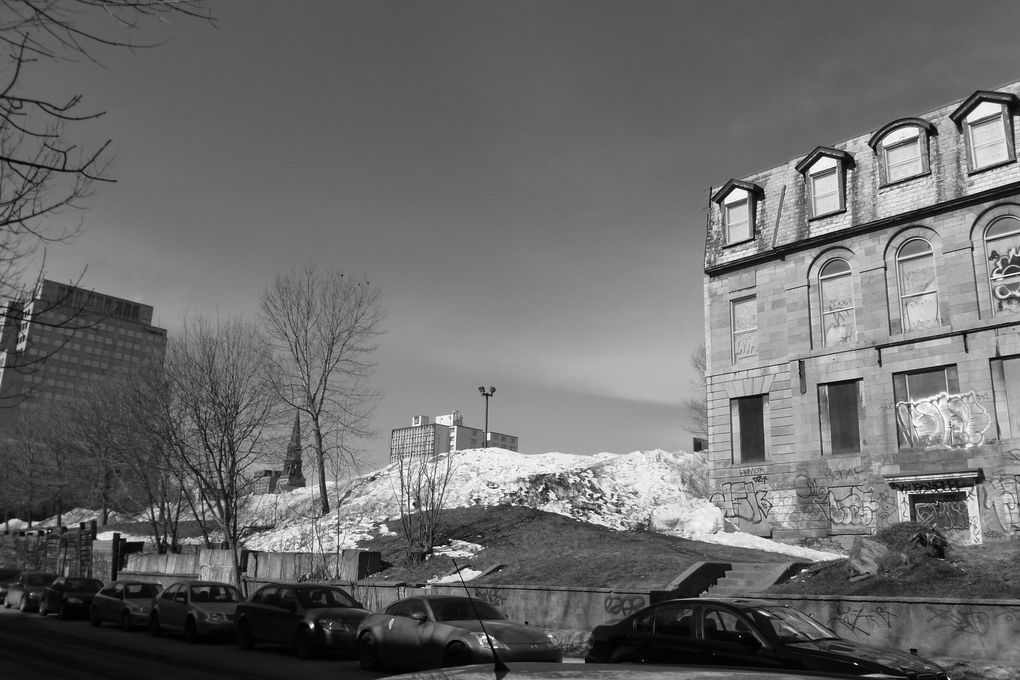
(38,579)
(86,584)
(215,593)
(140,590)
(315,598)
(791,625)
(463,609)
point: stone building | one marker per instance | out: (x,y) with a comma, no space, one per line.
(862,304)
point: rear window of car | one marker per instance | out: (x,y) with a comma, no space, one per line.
(82,584)
(38,579)
(134,590)
(314,598)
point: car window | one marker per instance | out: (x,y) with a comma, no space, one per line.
(38,579)
(288,598)
(79,584)
(317,598)
(215,593)
(269,595)
(408,607)
(460,609)
(722,625)
(675,621)
(791,625)
(645,623)
(170,592)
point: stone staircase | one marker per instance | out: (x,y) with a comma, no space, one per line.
(751,578)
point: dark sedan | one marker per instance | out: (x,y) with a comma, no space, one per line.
(744,632)
(68,596)
(432,631)
(24,591)
(309,617)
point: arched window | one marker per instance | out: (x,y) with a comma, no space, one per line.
(1002,248)
(919,298)
(839,316)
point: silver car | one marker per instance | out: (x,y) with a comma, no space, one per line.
(196,609)
(124,602)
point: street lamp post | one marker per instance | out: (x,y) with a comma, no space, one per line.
(492,391)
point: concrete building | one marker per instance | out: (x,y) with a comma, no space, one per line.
(862,304)
(428,436)
(56,345)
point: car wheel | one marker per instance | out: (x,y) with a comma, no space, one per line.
(125,621)
(304,644)
(155,630)
(190,631)
(94,617)
(457,654)
(244,638)
(368,653)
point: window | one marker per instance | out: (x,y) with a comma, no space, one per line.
(902,149)
(744,323)
(903,159)
(675,620)
(747,416)
(1002,248)
(920,412)
(825,197)
(919,300)
(738,224)
(1006,388)
(839,319)
(839,412)
(824,171)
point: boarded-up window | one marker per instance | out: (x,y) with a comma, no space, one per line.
(1006,387)
(839,406)
(749,423)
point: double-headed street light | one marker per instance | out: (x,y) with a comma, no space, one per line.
(492,391)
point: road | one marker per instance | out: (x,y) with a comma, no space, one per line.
(33,647)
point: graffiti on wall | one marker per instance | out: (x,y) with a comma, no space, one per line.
(493,596)
(1001,495)
(1005,286)
(944,420)
(623,605)
(839,498)
(861,619)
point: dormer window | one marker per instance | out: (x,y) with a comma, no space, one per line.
(824,173)
(738,205)
(902,149)
(986,122)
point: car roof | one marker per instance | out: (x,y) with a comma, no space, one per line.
(588,671)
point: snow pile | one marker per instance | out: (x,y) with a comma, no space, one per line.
(657,490)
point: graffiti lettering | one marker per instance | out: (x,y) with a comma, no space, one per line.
(623,605)
(491,595)
(750,471)
(742,500)
(849,473)
(944,420)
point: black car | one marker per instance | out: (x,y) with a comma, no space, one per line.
(309,617)
(7,575)
(68,596)
(744,632)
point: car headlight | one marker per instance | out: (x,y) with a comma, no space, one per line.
(337,625)
(75,600)
(136,608)
(483,640)
(216,617)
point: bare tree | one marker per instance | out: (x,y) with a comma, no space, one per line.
(323,327)
(695,407)
(43,170)
(218,416)
(423,483)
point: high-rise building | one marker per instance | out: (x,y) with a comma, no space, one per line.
(862,304)
(63,340)
(429,436)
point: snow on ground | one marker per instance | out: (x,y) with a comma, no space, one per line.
(656,490)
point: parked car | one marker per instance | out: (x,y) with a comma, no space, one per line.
(432,631)
(124,602)
(7,574)
(744,632)
(310,617)
(24,591)
(69,596)
(197,609)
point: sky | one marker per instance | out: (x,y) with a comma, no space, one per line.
(525,182)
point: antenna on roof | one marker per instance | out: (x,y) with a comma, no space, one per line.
(500,667)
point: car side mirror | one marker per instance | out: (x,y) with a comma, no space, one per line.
(420,617)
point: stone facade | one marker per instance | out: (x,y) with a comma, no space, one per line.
(862,305)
